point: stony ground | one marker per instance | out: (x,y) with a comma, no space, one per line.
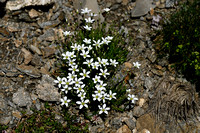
(29,34)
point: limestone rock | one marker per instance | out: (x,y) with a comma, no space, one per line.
(142,7)
(18,4)
(27,56)
(22,98)
(29,70)
(47,91)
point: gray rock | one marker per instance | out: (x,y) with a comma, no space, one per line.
(130,123)
(138,111)
(3,104)
(49,24)
(29,70)
(27,56)
(21,98)
(47,91)
(142,7)
(49,35)
(149,83)
(18,4)
(170,3)
(116,122)
(4,120)
(35,49)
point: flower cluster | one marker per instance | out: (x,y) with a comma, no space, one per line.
(87,68)
(84,65)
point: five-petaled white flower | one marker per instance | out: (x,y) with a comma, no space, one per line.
(111,95)
(65,101)
(86,10)
(87,27)
(105,41)
(85,54)
(66,55)
(74,69)
(109,38)
(66,33)
(87,41)
(104,73)
(96,97)
(72,62)
(103,109)
(66,83)
(96,79)
(82,95)
(85,74)
(59,81)
(97,43)
(136,64)
(106,9)
(89,62)
(66,89)
(75,47)
(95,65)
(79,88)
(93,14)
(113,62)
(132,98)
(78,81)
(89,20)
(82,103)
(101,86)
(105,62)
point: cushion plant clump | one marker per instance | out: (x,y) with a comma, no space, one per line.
(90,58)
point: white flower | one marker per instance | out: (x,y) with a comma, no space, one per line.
(89,47)
(99,92)
(106,9)
(103,97)
(132,98)
(95,65)
(71,76)
(96,79)
(78,82)
(72,55)
(103,109)
(59,81)
(109,38)
(104,73)
(66,55)
(67,33)
(85,74)
(87,41)
(136,64)
(128,90)
(113,62)
(92,14)
(105,41)
(89,20)
(67,83)
(85,54)
(75,47)
(82,95)
(79,88)
(74,69)
(96,97)
(97,43)
(111,95)
(101,86)
(89,62)
(83,103)
(72,62)
(86,10)
(87,27)
(66,89)
(105,62)
(65,101)
(82,47)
